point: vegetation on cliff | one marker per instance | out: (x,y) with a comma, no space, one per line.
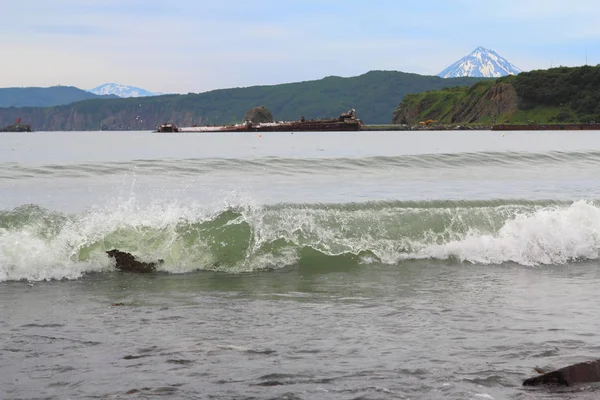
(557,95)
(573,91)
(374,95)
(44,97)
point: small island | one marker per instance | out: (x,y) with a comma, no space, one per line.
(17,127)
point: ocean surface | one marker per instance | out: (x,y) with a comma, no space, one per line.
(362,265)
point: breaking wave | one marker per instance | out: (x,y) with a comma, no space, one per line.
(40,244)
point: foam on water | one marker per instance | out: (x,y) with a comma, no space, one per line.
(553,235)
(38,244)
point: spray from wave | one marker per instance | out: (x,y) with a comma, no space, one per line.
(39,244)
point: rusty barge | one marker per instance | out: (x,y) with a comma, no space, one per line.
(345,122)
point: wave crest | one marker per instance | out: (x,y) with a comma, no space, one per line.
(38,244)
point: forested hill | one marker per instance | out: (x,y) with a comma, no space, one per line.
(557,95)
(44,96)
(374,95)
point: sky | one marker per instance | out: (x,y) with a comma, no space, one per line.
(182,46)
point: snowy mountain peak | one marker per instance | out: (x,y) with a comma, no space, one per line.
(481,63)
(121,90)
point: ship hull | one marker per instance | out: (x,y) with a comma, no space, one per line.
(346,122)
(308,126)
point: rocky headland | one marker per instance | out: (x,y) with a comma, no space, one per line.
(560,96)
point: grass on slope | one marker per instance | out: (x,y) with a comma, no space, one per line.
(441,105)
(557,95)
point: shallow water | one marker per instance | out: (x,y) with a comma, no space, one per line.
(314,265)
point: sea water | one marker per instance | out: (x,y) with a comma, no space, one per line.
(372,265)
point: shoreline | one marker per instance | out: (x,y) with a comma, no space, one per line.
(478,127)
(393,127)
(349,127)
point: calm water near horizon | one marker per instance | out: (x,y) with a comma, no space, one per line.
(355,265)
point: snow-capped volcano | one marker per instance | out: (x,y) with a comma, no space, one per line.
(121,90)
(480,63)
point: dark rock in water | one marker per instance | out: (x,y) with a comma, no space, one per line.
(259,115)
(270,383)
(130,357)
(127,262)
(585,372)
(16,128)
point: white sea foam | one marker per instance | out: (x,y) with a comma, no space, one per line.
(553,235)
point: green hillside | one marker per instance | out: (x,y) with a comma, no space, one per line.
(557,95)
(44,97)
(374,95)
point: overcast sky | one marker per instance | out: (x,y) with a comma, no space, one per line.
(197,45)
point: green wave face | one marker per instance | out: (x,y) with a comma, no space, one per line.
(38,244)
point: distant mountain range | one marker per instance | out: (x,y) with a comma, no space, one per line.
(374,95)
(122,90)
(481,63)
(44,97)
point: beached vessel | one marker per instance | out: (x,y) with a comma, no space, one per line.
(345,122)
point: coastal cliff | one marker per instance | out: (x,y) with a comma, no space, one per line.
(484,102)
(559,95)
